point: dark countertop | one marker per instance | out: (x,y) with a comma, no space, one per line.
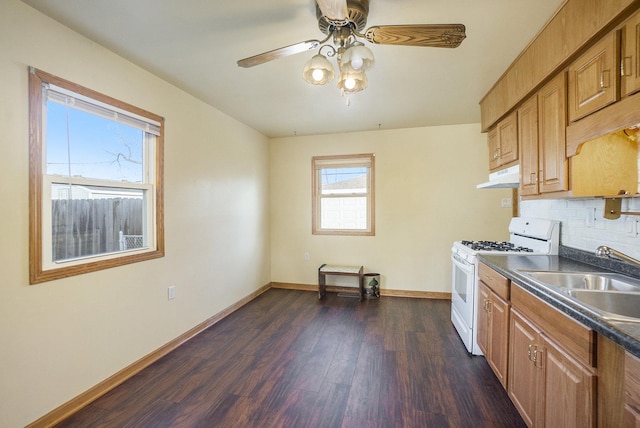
(626,334)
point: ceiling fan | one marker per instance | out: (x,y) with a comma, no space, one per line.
(345,20)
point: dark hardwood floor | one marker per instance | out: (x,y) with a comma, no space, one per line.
(289,360)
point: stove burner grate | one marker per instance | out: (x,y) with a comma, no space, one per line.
(495,246)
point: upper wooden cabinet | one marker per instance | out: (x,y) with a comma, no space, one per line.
(630,56)
(594,78)
(575,24)
(528,140)
(552,125)
(542,137)
(503,142)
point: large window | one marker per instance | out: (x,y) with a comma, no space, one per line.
(343,196)
(96,192)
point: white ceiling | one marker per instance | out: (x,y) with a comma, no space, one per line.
(194,44)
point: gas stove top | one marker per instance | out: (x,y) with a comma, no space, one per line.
(496,246)
(527,236)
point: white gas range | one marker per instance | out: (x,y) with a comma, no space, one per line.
(528,236)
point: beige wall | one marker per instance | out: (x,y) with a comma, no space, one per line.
(426,198)
(237,210)
(60,338)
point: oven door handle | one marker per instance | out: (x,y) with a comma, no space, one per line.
(462,263)
(460,260)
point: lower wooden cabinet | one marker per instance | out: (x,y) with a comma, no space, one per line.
(631,391)
(493,330)
(524,375)
(545,359)
(569,389)
(548,386)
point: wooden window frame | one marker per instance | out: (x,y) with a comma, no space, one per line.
(37,272)
(343,160)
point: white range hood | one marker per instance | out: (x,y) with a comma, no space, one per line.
(508,177)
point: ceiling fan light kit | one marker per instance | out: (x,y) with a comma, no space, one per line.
(345,20)
(353,59)
(318,70)
(352,81)
(357,57)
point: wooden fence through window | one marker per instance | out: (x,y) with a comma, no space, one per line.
(85,227)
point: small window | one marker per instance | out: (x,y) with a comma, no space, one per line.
(343,195)
(95,180)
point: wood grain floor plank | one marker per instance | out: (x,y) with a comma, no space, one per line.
(289,360)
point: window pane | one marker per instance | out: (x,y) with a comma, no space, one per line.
(344,213)
(93,220)
(82,144)
(343,180)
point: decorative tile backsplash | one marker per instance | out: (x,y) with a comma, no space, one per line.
(583,225)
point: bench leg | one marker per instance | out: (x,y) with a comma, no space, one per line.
(321,286)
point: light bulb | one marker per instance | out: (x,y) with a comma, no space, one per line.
(317,74)
(356,62)
(350,83)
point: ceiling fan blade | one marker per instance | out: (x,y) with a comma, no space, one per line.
(334,10)
(428,35)
(278,53)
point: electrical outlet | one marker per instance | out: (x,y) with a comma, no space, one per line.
(631,226)
(590,221)
(171,292)
(505,203)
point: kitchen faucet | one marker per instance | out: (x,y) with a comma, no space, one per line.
(604,251)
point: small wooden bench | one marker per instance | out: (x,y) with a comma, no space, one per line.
(326,269)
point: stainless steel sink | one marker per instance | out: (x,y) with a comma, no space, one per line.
(612,296)
(614,306)
(601,281)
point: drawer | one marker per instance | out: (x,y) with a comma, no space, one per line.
(496,282)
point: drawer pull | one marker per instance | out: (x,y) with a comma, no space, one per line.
(625,66)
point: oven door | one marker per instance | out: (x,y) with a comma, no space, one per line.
(463,300)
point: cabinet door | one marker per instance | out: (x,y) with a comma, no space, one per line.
(528,139)
(569,390)
(631,391)
(630,61)
(552,116)
(631,417)
(508,138)
(494,148)
(593,78)
(523,379)
(499,337)
(483,318)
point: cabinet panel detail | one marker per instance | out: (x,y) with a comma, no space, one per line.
(594,78)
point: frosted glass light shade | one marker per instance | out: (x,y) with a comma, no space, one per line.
(318,70)
(357,57)
(352,81)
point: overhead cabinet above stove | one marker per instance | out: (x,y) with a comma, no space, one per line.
(574,90)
